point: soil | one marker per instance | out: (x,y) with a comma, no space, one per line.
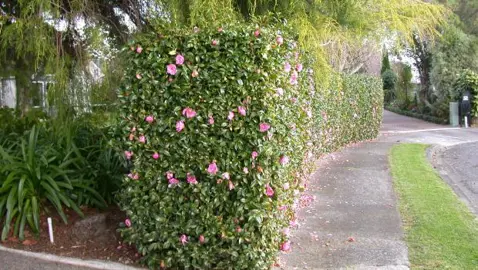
(98,239)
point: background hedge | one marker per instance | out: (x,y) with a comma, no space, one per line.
(424,117)
(220,126)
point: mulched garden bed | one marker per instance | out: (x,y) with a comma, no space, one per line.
(94,237)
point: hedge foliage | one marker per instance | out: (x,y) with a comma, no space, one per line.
(220,127)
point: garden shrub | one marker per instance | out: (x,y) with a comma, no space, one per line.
(218,125)
(389,79)
(468,80)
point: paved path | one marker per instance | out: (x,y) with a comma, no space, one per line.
(354,222)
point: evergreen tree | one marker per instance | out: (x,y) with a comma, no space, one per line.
(385,63)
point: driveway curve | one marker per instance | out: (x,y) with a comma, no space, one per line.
(458,165)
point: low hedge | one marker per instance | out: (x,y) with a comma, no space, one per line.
(424,117)
(220,126)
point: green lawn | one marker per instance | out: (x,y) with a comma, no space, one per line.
(441,232)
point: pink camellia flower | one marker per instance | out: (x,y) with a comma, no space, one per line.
(286,186)
(279,40)
(230,116)
(257,33)
(214,42)
(149,119)
(280,91)
(183,239)
(173,181)
(131,136)
(220,29)
(211,120)
(269,191)
(293,100)
(142,139)
(128,154)
(263,127)
(155,155)
(283,160)
(282,207)
(195,73)
(169,174)
(285,246)
(171,69)
(133,129)
(241,110)
(188,112)
(293,78)
(133,176)
(230,185)
(245,170)
(201,239)
(238,229)
(127,222)
(287,67)
(226,176)
(179,60)
(324,116)
(179,125)
(191,179)
(139,49)
(138,76)
(254,154)
(299,67)
(212,168)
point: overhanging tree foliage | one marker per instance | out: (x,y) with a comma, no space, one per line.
(58,36)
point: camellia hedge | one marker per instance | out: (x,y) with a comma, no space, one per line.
(219,126)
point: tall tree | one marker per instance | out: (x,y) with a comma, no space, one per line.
(421,53)
(52,35)
(453,53)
